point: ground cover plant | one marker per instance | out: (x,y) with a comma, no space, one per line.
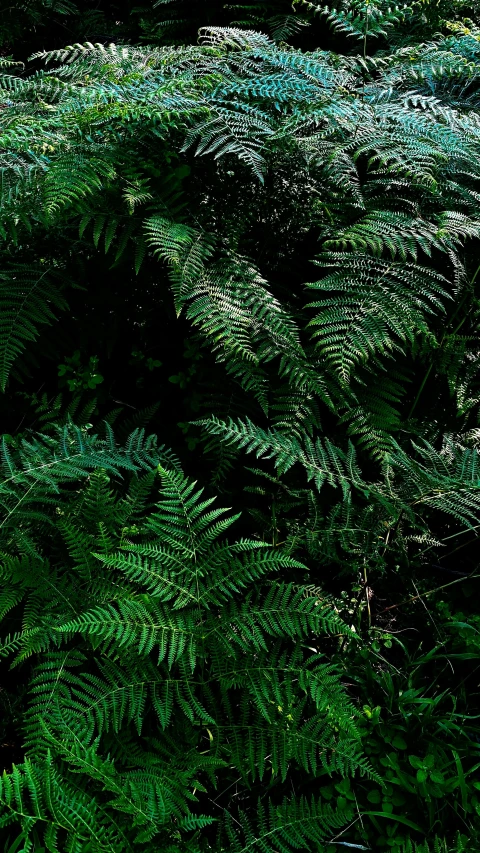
(240,268)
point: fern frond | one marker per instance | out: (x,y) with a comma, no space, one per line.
(34,795)
(323,462)
(29,298)
(373,307)
(286,827)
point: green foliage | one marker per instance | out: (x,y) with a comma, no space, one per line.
(27,297)
(262,241)
(177,626)
(371,307)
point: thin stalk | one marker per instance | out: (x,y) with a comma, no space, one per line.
(429,592)
(367,596)
(366,33)
(420,390)
(392,531)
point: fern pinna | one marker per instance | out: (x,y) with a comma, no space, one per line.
(166,661)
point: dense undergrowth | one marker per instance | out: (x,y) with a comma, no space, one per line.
(240,266)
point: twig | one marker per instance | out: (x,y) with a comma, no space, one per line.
(430,591)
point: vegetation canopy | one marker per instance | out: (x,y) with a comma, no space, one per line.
(240,257)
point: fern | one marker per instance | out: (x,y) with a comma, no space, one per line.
(373,307)
(286,826)
(322,463)
(170,671)
(28,299)
(34,471)
(175,622)
(358,20)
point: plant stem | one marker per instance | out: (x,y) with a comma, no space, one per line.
(429,592)
(366,33)
(420,390)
